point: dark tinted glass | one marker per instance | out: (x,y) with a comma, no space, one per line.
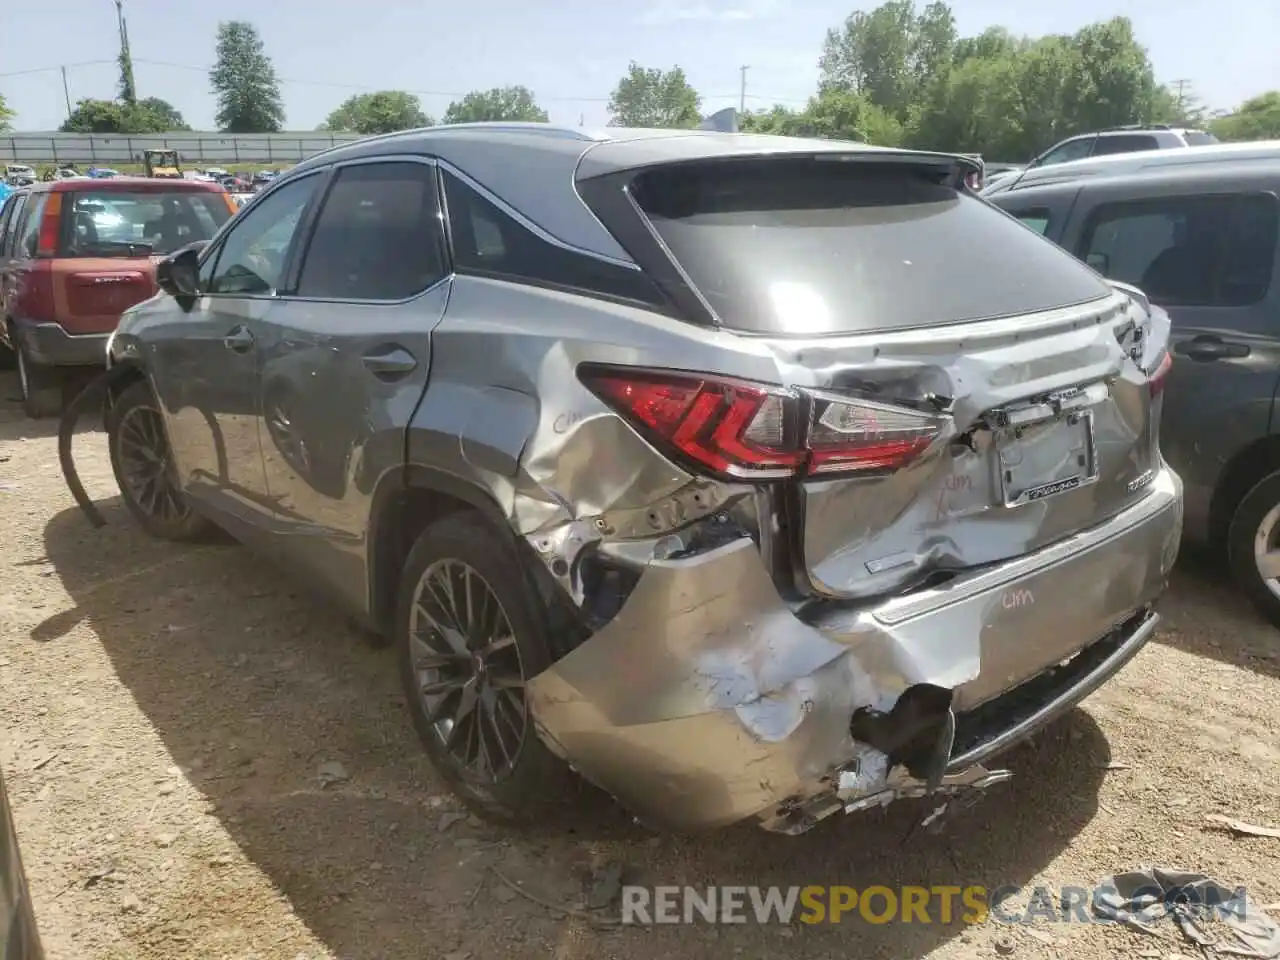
(13,229)
(1188,251)
(808,246)
(1037,219)
(1065,153)
(490,242)
(108,223)
(378,236)
(6,218)
(250,261)
(1198,138)
(1124,143)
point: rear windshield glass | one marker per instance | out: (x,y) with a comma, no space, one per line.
(814,247)
(118,224)
(1197,139)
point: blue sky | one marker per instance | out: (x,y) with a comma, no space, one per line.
(570,53)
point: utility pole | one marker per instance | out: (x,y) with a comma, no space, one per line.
(66,91)
(742,94)
(128,92)
(1180,86)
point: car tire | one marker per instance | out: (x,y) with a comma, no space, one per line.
(42,387)
(147,479)
(535,784)
(1255,525)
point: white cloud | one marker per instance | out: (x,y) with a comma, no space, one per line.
(685,11)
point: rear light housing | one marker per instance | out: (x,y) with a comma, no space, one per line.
(740,430)
(1156,380)
(50,226)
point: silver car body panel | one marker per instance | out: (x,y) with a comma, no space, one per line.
(723,683)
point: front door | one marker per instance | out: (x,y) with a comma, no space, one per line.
(207,378)
(345,360)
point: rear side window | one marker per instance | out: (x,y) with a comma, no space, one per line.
(814,247)
(487,241)
(29,226)
(111,223)
(13,227)
(6,218)
(1208,251)
(1198,138)
(378,235)
(1037,219)
(1124,143)
(1065,153)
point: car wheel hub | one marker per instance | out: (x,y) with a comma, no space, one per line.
(1266,549)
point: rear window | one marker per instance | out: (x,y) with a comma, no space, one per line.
(115,223)
(1198,138)
(815,247)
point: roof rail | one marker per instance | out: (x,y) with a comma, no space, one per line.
(537,129)
(1137,126)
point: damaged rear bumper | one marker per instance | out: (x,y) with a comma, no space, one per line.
(708,700)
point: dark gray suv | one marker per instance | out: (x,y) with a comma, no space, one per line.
(750,477)
(1201,242)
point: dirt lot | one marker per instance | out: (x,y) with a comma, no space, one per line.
(167,712)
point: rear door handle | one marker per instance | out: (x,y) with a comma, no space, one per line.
(239,340)
(390,362)
(1211,348)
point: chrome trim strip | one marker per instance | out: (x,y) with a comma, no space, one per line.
(1061,703)
(528,224)
(1163,497)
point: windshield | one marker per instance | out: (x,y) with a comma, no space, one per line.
(814,247)
(116,224)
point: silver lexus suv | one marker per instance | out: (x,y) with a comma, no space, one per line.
(747,477)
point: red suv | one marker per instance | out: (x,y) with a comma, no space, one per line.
(75,254)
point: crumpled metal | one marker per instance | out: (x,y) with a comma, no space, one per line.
(1143,898)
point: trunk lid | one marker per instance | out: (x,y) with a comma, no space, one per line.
(1048,426)
(90,293)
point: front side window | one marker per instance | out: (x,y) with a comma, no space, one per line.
(114,224)
(13,229)
(251,261)
(6,219)
(378,235)
(29,226)
(1188,251)
(1071,150)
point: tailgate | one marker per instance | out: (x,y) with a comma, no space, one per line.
(91,293)
(1000,438)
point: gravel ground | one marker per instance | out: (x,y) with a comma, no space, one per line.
(205,762)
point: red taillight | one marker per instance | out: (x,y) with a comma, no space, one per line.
(50,226)
(1155,382)
(748,431)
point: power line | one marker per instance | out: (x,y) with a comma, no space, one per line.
(741,96)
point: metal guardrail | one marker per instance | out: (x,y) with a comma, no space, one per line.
(193,148)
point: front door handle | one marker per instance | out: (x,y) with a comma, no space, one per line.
(239,340)
(390,362)
(1211,348)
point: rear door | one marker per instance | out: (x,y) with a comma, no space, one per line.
(1204,249)
(344,360)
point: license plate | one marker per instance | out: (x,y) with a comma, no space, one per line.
(1042,460)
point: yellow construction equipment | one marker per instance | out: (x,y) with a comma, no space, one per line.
(162,163)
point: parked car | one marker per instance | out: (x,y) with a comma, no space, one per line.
(750,485)
(19,939)
(19,171)
(1201,242)
(74,254)
(1121,164)
(1126,139)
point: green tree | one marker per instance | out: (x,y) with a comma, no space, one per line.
(501,103)
(6,114)
(383,112)
(244,82)
(152,115)
(165,113)
(649,97)
(1258,118)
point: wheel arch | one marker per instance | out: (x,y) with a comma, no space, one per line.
(1242,473)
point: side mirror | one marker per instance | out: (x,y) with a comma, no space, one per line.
(179,273)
